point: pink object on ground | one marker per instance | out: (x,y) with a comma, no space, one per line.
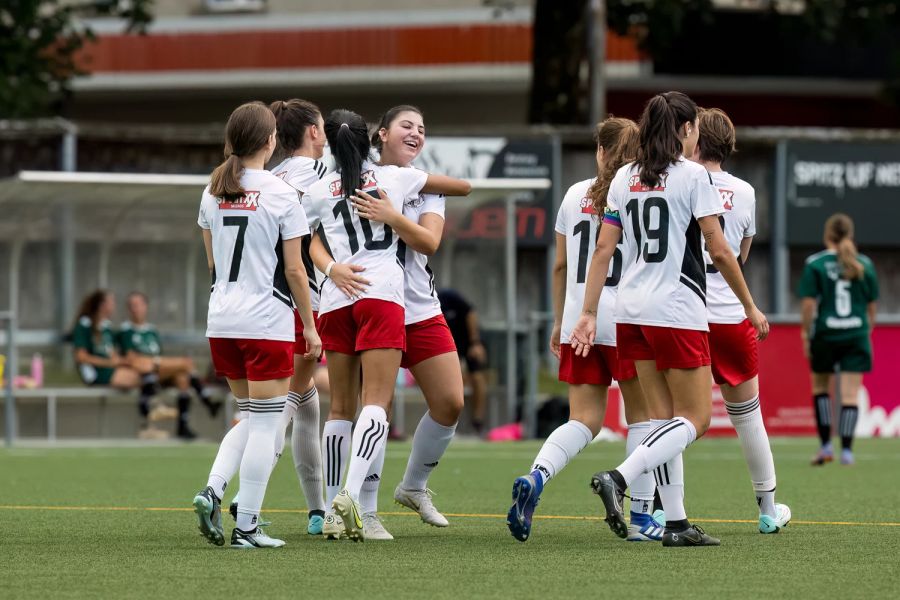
(511,432)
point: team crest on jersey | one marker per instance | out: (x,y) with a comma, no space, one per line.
(587,206)
(635,185)
(415,202)
(249,201)
(281,174)
(727,198)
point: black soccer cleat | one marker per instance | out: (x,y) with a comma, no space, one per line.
(604,486)
(209,516)
(692,536)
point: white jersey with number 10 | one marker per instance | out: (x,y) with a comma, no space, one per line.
(738,220)
(578,221)
(664,280)
(250,297)
(352,240)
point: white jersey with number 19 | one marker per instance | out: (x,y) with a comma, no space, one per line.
(579,222)
(352,240)
(664,280)
(301,172)
(250,297)
(738,220)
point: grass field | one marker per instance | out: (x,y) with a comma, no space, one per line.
(115,523)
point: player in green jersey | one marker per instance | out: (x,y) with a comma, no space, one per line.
(139,342)
(96,357)
(838,289)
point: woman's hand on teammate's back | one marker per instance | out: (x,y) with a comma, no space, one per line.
(759,322)
(313,344)
(584,333)
(346,279)
(379,209)
(554,340)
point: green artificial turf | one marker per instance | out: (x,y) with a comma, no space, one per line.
(140,553)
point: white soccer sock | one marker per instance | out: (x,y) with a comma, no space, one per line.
(670,483)
(369,436)
(563,445)
(256,465)
(642,488)
(661,445)
(287,415)
(368,493)
(428,446)
(307,450)
(335,450)
(748,422)
(228,458)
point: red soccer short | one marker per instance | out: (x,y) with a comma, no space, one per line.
(427,339)
(599,367)
(256,360)
(367,324)
(299,342)
(734,351)
(671,348)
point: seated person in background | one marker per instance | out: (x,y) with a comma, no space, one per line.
(96,357)
(140,344)
(463,322)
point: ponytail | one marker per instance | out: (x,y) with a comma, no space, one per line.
(619,139)
(660,138)
(348,138)
(293,118)
(839,231)
(246,133)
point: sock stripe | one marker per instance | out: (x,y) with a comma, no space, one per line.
(649,442)
(373,440)
(308,394)
(366,439)
(654,430)
(329,462)
(666,473)
(742,409)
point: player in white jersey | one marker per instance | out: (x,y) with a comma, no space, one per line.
(365,331)
(732,339)
(252,224)
(301,138)
(589,377)
(660,204)
(430,351)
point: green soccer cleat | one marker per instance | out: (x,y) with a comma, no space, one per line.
(768,524)
(347,509)
(208,508)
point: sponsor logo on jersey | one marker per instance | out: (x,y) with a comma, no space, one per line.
(587,207)
(635,185)
(249,201)
(335,188)
(727,199)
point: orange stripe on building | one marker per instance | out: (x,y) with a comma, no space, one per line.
(377,46)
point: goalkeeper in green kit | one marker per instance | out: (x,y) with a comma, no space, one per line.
(838,289)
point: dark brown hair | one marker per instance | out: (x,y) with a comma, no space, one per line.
(388,118)
(293,118)
(248,129)
(619,139)
(660,138)
(716,140)
(839,231)
(348,138)
(90,306)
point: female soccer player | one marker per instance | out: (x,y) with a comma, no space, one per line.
(366,331)
(660,204)
(732,339)
(839,289)
(252,226)
(430,351)
(589,377)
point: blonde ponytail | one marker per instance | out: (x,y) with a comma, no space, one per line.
(847,256)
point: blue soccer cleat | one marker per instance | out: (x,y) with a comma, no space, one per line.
(782,517)
(526,493)
(644,528)
(316,523)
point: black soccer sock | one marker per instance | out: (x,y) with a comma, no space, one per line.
(197,385)
(316,512)
(849,415)
(149,387)
(822,404)
(679,525)
(657,503)
(184,405)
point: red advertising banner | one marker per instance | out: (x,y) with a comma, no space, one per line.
(786,393)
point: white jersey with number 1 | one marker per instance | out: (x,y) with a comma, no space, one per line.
(578,221)
(664,280)
(301,172)
(250,297)
(352,240)
(420,296)
(738,220)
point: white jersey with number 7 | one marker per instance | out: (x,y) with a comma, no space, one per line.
(664,280)
(250,297)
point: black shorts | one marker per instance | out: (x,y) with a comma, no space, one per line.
(852,356)
(472,365)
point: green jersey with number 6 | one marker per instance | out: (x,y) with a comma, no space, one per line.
(842,311)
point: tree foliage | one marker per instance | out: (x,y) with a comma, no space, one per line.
(39,43)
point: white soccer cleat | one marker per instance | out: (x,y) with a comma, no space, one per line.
(374,528)
(255,539)
(333,527)
(345,507)
(420,501)
(782,517)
